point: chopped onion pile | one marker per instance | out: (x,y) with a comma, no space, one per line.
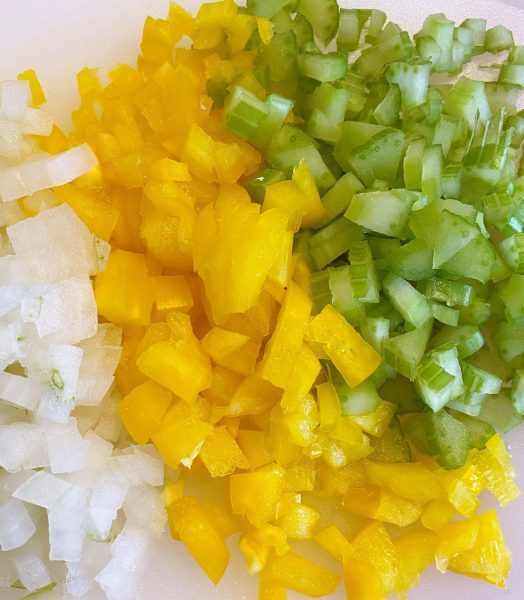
(76,505)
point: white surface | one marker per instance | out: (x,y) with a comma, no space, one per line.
(59,37)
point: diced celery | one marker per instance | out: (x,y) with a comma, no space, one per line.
(441,30)
(413,164)
(244,112)
(387,112)
(445,314)
(319,288)
(479,381)
(338,198)
(451,181)
(333,240)
(453,293)
(431,177)
(349,29)
(512,74)
(384,212)
(401,392)
(392,447)
(517,391)
(328,105)
(499,412)
(468,404)
(376,332)
(413,80)
(439,377)
(411,304)
(465,36)
(499,38)
(512,251)
(509,339)
(445,133)
(266,8)
(467,100)
(323,16)
(404,352)
(343,296)
(429,50)
(324,67)
(479,431)
(372,60)
(475,314)
(466,338)
(364,278)
(442,436)
(258,183)
(512,295)
(412,261)
(454,233)
(278,109)
(478,27)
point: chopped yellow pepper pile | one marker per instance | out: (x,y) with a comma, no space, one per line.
(221,355)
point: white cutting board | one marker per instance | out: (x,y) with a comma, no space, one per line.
(58,38)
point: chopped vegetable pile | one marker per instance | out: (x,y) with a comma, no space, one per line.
(306,232)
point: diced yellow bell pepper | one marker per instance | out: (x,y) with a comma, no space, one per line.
(172,292)
(351,354)
(303,375)
(300,477)
(270,591)
(223,521)
(126,234)
(172,492)
(171,367)
(314,209)
(301,575)
(288,197)
(362,580)
(180,439)
(198,533)
(410,480)
(285,343)
(124,293)
(231,350)
(221,454)
(337,481)
(299,426)
(376,422)
(167,169)
(329,404)
(353,440)
(373,545)
(256,495)
(253,396)
(257,544)
(255,446)
(476,548)
(415,552)
(462,487)
(382,505)
(37,93)
(143,409)
(334,541)
(282,270)
(224,383)
(299,521)
(437,513)
(54,143)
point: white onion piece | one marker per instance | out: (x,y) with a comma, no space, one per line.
(45,172)
(19,391)
(37,122)
(16,526)
(32,571)
(14,99)
(66,526)
(10,139)
(68,451)
(96,374)
(22,446)
(43,489)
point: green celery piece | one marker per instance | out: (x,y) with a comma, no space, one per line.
(374,21)
(323,16)
(509,339)
(502,96)
(425,222)
(244,112)
(364,278)
(412,79)
(512,75)
(343,295)
(377,158)
(512,295)
(401,392)
(445,314)
(413,164)
(372,60)
(466,338)
(451,181)
(465,36)
(392,447)
(278,109)
(429,50)
(320,127)
(323,67)
(385,212)
(453,293)
(301,246)
(319,288)
(516,55)
(442,436)
(499,412)
(480,381)
(432,166)
(412,261)
(458,57)
(479,431)
(478,27)
(375,331)
(349,29)
(387,112)
(439,377)
(360,400)
(445,133)
(468,404)
(454,233)
(467,100)
(512,251)
(337,199)
(381,248)
(280,58)
(266,8)
(517,391)
(257,184)
(412,305)
(476,314)
(333,240)
(404,352)
(328,105)
(441,30)
(499,38)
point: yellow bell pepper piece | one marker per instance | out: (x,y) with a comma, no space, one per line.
(436,514)
(314,211)
(303,375)
(256,495)
(198,533)
(376,422)
(410,480)
(255,446)
(253,396)
(124,293)
(462,487)
(285,343)
(329,405)
(362,580)
(167,169)
(289,198)
(37,93)
(300,477)
(476,548)
(382,505)
(351,354)
(301,575)
(143,409)
(180,439)
(172,292)
(415,552)
(270,591)
(337,481)
(299,521)
(257,545)
(231,350)
(282,269)
(221,454)
(334,541)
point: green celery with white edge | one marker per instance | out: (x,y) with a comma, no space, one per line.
(421,247)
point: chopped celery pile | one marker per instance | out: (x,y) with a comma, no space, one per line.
(421,244)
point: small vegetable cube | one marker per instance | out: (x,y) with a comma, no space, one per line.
(221,454)
(172,293)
